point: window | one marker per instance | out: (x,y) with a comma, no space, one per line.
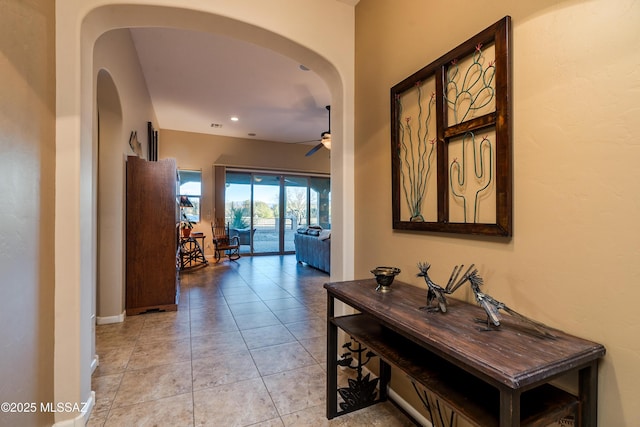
(191,186)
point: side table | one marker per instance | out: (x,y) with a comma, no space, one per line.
(190,253)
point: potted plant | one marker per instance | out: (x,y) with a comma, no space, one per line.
(185,226)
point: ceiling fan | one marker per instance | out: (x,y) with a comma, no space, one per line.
(325,139)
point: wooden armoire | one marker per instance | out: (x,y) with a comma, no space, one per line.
(151,278)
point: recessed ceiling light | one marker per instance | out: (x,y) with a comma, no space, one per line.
(234,119)
(303,68)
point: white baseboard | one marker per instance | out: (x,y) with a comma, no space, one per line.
(403,403)
(111,319)
(95,363)
(83,418)
(408,408)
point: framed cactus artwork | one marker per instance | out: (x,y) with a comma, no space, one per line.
(451,140)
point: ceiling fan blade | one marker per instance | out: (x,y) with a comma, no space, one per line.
(325,138)
(314,149)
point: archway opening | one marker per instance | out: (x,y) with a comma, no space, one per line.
(110,185)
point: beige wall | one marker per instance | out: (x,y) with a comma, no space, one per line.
(27,146)
(571,261)
(201,152)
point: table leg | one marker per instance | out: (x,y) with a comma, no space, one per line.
(182,255)
(200,254)
(509,408)
(332,361)
(385,377)
(588,391)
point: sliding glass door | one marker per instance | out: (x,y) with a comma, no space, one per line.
(266,209)
(266,214)
(237,215)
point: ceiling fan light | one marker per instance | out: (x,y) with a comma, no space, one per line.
(326,140)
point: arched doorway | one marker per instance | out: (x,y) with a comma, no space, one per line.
(110,221)
(292,31)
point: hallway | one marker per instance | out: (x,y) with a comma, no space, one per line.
(247,347)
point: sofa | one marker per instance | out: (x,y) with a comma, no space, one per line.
(313,247)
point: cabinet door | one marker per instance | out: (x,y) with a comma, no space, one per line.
(151,235)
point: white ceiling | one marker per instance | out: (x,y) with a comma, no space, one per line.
(198,79)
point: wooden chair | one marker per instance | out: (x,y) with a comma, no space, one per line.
(223,244)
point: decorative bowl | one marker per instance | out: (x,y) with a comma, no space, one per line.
(384,277)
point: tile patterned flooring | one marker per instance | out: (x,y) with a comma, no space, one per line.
(245,348)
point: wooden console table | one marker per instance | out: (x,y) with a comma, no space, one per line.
(489,378)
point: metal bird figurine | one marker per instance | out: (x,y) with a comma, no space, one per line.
(436,292)
(492,306)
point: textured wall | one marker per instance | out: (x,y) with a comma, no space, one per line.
(27,144)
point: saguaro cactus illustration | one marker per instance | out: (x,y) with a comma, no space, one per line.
(482,152)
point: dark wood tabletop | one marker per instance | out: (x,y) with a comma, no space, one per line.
(514,355)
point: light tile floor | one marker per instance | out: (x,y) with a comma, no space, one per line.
(245,348)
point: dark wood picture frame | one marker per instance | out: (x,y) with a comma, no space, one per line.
(498,121)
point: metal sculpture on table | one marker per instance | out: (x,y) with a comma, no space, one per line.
(362,390)
(436,292)
(492,306)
